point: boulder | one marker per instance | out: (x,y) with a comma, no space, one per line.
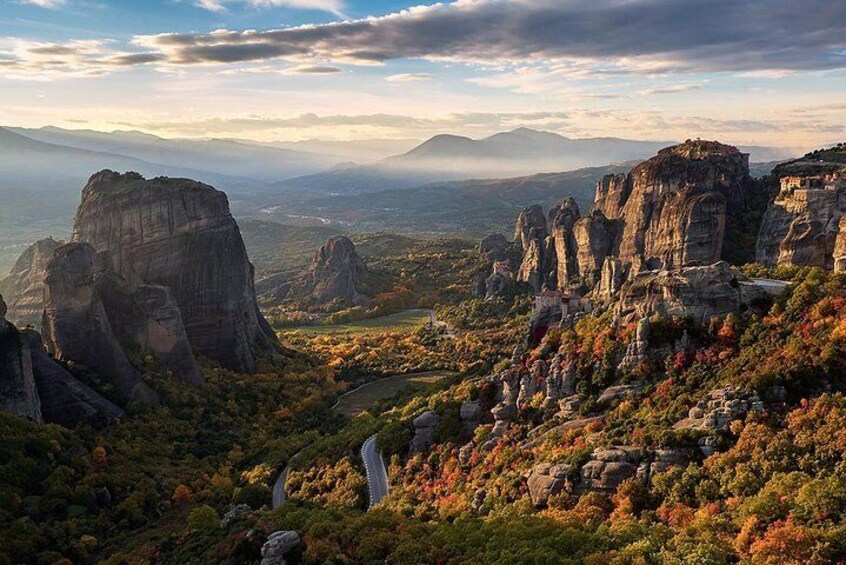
(608,468)
(424,431)
(546,480)
(234,514)
(277,546)
(179,234)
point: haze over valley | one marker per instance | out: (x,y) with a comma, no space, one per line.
(293,282)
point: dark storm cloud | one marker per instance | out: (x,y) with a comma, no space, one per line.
(648,35)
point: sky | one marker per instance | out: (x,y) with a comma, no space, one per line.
(764,72)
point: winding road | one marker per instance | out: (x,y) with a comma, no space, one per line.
(377,474)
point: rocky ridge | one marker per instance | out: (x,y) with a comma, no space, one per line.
(671,211)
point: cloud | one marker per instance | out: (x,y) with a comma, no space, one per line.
(673,89)
(572,39)
(211,5)
(45,3)
(312,70)
(408,77)
(647,36)
(331,6)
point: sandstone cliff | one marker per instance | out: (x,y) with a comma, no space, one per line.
(671,211)
(24,287)
(76,326)
(179,234)
(65,400)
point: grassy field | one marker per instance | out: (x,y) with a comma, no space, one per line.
(395,322)
(368,395)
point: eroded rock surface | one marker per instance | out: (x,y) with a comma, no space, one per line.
(546,480)
(18,393)
(179,234)
(695,292)
(76,327)
(336,274)
(24,287)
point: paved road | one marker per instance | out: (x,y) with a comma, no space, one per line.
(377,475)
(279,495)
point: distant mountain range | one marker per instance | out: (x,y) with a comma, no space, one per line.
(469,206)
(511,154)
(42,172)
(218,157)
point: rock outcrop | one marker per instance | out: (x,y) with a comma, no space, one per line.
(64,399)
(494,247)
(669,212)
(424,431)
(720,409)
(695,292)
(608,468)
(35,386)
(179,234)
(336,274)
(24,287)
(18,392)
(802,228)
(76,326)
(546,480)
(277,546)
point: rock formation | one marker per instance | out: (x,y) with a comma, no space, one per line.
(695,292)
(35,386)
(24,287)
(179,234)
(65,400)
(531,218)
(18,393)
(424,431)
(336,273)
(608,468)
(545,480)
(671,211)
(494,247)
(76,326)
(802,228)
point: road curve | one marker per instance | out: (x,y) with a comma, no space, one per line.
(279,495)
(377,475)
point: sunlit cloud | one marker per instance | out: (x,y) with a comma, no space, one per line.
(408,77)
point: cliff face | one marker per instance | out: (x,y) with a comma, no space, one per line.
(179,234)
(24,287)
(676,211)
(671,211)
(18,393)
(801,228)
(695,292)
(65,400)
(76,326)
